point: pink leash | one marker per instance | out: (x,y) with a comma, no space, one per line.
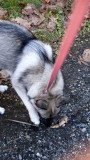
(74,24)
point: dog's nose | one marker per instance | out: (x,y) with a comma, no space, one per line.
(47,122)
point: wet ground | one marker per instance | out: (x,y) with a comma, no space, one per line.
(24,142)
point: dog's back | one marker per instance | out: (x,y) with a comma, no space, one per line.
(13,38)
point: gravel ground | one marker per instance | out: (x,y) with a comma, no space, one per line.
(24,142)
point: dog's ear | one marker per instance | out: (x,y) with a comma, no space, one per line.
(48,51)
(64,100)
(41,104)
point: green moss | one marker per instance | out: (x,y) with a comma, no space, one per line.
(60,23)
(85,27)
(44,34)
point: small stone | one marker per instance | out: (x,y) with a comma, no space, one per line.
(83,129)
(2,110)
(38,154)
(27,137)
(20,157)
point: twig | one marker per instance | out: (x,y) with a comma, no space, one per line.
(61,123)
(21,122)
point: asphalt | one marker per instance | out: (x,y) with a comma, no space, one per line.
(24,142)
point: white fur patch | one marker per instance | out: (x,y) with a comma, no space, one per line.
(3,88)
(2,110)
(48,50)
(28,60)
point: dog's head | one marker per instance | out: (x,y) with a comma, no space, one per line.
(48,104)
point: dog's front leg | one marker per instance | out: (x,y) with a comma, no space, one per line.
(19,88)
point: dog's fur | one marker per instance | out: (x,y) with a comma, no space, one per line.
(29,63)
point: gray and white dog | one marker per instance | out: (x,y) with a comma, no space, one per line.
(29,63)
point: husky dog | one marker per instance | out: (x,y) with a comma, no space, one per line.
(29,63)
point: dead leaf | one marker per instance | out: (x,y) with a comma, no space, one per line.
(30,9)
(87,16)
(23,22)
(42,18)
(61,123)
(3,13)
(3,74)
(52,6)
(37,20)
(52,23)
(34,20)
(22,4)
(47,1)
(35,17)
(85,58)
(27,10)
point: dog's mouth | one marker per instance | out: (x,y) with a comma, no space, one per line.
(48,108)
(47,122)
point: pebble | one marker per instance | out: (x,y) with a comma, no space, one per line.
(2,110)
(38,154)
(20,157)
(27,137)
(83,129)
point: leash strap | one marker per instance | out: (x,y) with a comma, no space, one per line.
(74,24)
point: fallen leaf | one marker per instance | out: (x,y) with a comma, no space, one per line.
(37,20)
(27,10)
(86,55)
(87,16)
(85,58)
(3,74)
(30,9)
(23,22)
(47,1)
(3,13)
(42,18)
(34,20)
(52,6)
(61,123)
(22,4)
(35,17)
(52,23)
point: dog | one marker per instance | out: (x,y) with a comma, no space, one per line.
(29,62)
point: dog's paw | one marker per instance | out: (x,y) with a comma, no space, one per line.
(3,88)
(2,110)
(35,119)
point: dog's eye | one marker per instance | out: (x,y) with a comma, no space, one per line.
(41,105)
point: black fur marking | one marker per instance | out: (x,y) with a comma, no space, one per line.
(20,34)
